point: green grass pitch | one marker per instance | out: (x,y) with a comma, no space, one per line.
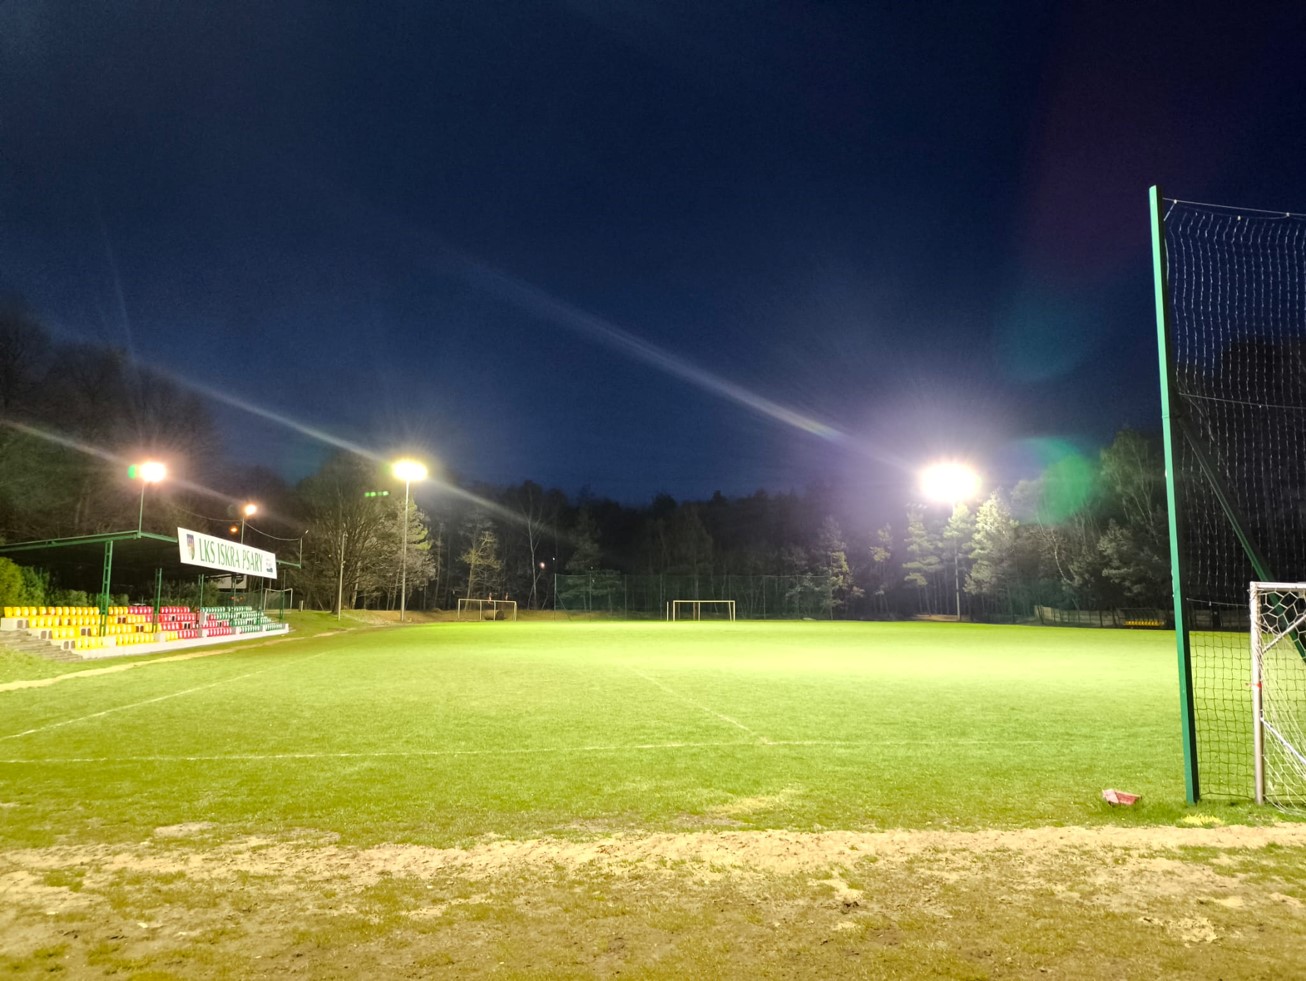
(443,733)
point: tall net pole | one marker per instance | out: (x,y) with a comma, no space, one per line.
(1231,335)
(1165,358)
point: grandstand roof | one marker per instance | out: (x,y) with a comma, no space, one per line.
(79,562)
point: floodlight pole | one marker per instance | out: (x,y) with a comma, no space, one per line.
(148,473)
(407,471)
(403,560)
(340,586)
(956,567)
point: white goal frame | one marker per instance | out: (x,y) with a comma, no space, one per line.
(696,608)
(494,606)
(1278,653)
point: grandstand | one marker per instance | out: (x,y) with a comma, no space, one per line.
(130,563)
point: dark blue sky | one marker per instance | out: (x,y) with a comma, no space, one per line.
(641,247)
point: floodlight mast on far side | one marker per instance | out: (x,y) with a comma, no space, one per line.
(951,482)
(407,471)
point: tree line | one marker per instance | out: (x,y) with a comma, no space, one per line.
(1088,533)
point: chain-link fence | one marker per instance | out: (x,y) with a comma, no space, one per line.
(643,597)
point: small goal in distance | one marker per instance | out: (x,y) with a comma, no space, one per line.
(692,609)
(486,609)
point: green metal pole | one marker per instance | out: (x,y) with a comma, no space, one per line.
(1174,497)
(104,584)
(158,598)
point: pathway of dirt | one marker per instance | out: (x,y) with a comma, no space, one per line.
(1087,903)
(768,852)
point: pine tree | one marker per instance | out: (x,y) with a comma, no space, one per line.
(924,564)
(993,552)
(834,556)
(881,553)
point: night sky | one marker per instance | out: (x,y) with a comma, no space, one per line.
(635,247)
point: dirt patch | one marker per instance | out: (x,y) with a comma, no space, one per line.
(1072,902)
(742,852)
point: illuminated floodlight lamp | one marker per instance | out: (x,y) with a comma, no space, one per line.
(950,482)
(407,471)
(149,472)
(246,512)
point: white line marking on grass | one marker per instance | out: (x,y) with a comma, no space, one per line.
(151,701)
(761,739)
(390,754)
(509,751)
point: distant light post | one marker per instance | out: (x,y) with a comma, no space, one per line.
(150,472)
(247,512)
(951,482)
(340,587)
(407,471)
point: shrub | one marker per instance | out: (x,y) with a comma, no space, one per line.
(11,583)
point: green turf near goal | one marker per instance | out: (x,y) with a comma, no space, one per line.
(1231,332)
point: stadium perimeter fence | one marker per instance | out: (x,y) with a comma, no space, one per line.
(646,597)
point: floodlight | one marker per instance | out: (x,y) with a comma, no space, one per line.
(152,471)
(950,481)
(247,511)
(407,471)
(149,472)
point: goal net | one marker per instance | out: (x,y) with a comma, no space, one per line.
(701,609)
(275,602)
(487,609)
(1231,331)
(1279,692)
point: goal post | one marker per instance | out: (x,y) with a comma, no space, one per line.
(1278,654)
(692,609)
(471,608)
(275,602)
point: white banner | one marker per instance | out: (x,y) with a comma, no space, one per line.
(218,553)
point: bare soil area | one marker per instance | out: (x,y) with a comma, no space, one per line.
(1048,902)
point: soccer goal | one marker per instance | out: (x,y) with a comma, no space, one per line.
(1231,334)
(686,609)
(275,602)
(486,609)
(1278,612)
